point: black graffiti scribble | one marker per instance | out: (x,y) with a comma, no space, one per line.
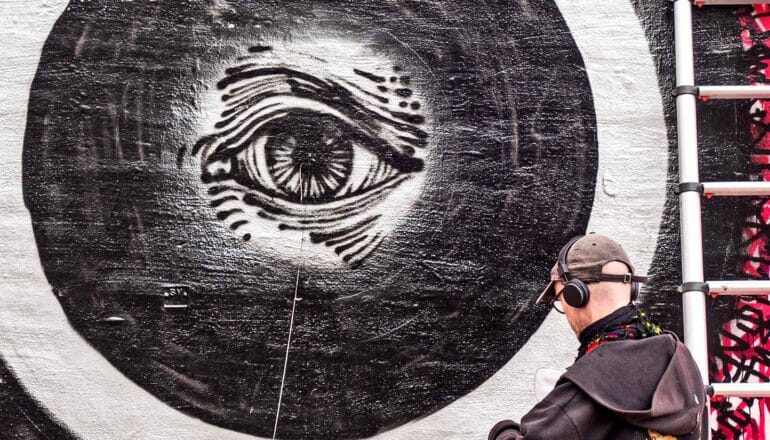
(732,421)
(737,360)
(287,144)
(741,355)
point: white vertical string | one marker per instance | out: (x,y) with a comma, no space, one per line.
(293,309)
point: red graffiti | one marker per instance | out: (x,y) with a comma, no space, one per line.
(743,354)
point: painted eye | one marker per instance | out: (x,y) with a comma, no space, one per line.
(316,152)
(310,157)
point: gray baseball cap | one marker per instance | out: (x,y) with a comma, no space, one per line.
(583,257)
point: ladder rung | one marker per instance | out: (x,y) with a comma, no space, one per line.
(733,92)
(736,188)
(737,288)
(741,389)
(731,2)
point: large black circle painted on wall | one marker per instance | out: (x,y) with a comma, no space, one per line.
(121,217)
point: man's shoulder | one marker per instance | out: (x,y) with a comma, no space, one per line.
(664,345)
(613,360)
(629,376)
(666,338)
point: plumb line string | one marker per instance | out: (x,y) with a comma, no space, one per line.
(293,309)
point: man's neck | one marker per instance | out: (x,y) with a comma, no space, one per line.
(615,317)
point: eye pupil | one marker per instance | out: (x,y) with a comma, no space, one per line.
(308,159)
(305,156)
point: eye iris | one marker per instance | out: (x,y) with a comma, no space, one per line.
(308,159)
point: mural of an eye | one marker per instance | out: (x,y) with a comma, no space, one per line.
(305,145)
(407,169)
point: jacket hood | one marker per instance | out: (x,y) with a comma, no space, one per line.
(651,383)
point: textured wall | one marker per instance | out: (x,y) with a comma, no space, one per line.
(190,186)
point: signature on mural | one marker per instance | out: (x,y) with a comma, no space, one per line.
(307,146)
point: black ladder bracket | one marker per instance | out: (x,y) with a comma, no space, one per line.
(685,90)
(694,286)
(690,186)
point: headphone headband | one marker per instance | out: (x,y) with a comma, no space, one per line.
(592,275)
(576,292)
(561,260)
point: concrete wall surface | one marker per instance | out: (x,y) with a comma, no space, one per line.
(232,219)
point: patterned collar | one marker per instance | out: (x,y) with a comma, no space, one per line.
(627,322)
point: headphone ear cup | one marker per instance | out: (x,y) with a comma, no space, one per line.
(575,293)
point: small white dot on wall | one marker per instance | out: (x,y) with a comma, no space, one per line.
(609,185)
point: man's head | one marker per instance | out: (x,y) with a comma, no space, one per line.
(592,277)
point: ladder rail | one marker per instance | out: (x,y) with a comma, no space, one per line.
(694,289)
(693,301)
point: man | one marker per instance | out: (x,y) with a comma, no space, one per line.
(631,380)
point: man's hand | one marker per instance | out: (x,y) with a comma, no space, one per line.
(504,430)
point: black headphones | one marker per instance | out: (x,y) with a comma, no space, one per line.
(576,293)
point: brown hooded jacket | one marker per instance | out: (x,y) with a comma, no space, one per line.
(622,390)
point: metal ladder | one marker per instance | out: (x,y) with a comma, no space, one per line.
(694,288)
